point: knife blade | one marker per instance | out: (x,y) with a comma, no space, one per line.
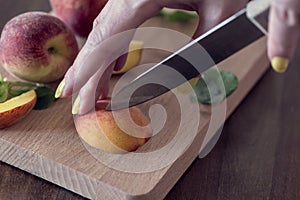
(196,57)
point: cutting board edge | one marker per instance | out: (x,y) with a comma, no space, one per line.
(97,185)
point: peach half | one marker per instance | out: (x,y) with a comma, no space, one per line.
(16,108)
(134,56)
(100,129)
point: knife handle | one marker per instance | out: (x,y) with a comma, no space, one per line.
(258,14)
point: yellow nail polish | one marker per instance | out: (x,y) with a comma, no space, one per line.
(60,89)
(280,64)
(76,105)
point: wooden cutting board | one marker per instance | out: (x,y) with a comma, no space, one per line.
(46,143)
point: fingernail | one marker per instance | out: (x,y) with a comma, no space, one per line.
(76,105)
(60,89)
(280,64)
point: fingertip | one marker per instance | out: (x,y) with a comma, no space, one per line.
(67,83)
(76,106)
(82,105)
(279,64)
(279,55)
(68,88)
(60,89)
(284,30)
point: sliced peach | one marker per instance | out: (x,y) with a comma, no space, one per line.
(16,108)
(100,130)
(134,56)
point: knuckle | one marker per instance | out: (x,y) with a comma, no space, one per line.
(95,37)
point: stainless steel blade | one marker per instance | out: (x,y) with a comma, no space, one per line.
(219,43)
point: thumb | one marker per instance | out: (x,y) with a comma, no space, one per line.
(284,30)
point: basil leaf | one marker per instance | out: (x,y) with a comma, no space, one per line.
(181,16)
(17,88)
(45,97)
(18,92)
(161,14)
(3,91)
(209,89)
(22,84)
(45,94)
(230,81)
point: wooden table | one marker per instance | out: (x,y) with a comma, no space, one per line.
(257,156)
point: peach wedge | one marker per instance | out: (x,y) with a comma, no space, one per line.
(134,56)
(16,108)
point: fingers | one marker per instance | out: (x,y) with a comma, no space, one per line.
(284,32)
(212,12)
(92,69)
(92,78)
(97,86)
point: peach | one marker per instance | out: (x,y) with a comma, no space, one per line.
(100,130)
(78,14)
(16,108)
(134,56)
(38,47)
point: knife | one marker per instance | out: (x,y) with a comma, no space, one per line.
(196,57)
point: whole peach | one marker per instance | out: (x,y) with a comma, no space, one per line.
(37,46)
(78,14)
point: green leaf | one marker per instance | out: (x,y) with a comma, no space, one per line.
(230,81)
(45,97)
(45,94)
(181,16)
(1,79)
(214,87)
(17,88)
(22,84)
(161,14)
(3,91)
(18,92)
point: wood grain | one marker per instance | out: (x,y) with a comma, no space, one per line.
(249,162)
(46,144)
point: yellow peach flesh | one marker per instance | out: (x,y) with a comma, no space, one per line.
(134,56)
(17,101)
(16,108)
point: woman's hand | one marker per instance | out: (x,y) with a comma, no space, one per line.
(91,71)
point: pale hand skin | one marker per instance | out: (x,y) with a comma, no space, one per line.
(129,14)
(284,31)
